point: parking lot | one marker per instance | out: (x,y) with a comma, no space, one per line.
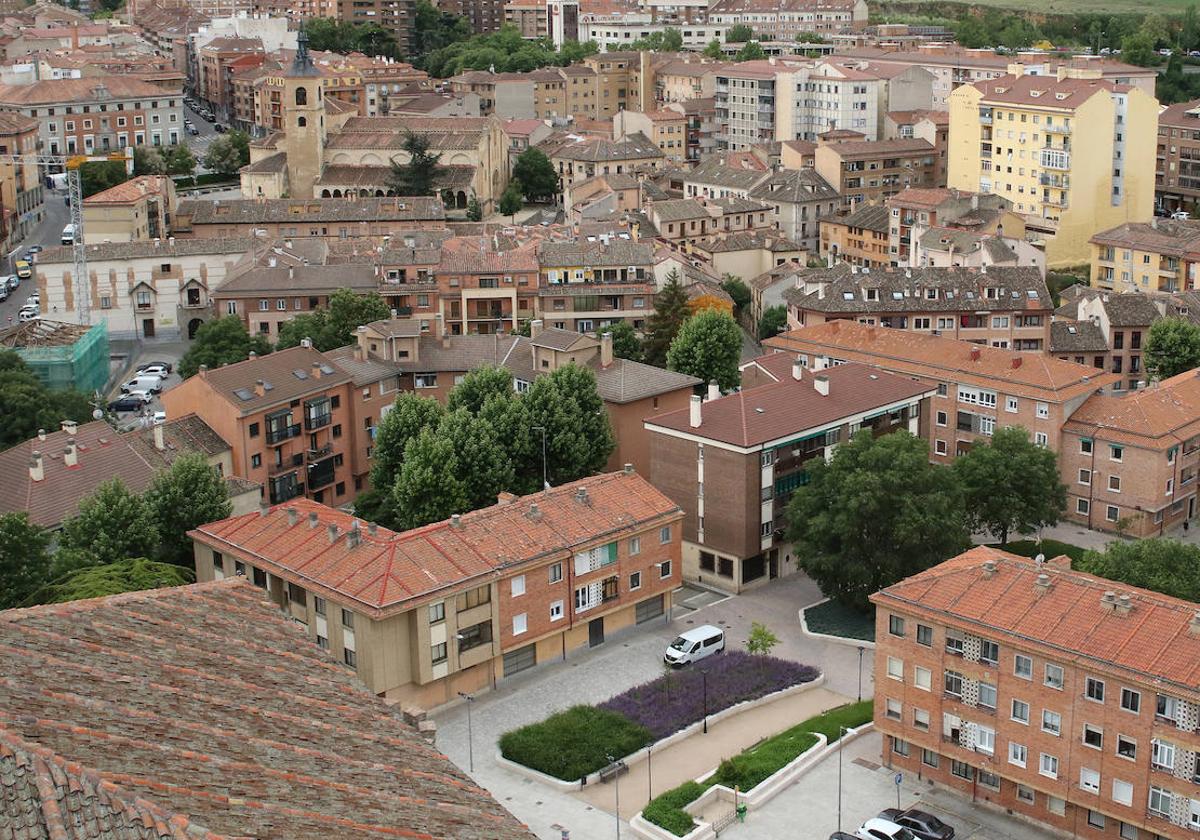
(158,352)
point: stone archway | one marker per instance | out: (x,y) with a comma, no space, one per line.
(325,194)
(337,193)
(193,326)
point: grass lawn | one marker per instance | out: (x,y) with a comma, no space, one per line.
(1051,548)
(833,619)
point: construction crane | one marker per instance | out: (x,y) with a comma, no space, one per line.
(71,164)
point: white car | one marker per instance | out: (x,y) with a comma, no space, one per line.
(34,300)
(27,315)
(160,417)
(154,370)
(139,394)
(879,829)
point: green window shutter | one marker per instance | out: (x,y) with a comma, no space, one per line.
(612,552)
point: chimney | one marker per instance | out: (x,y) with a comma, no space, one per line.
(714,391)
(70,426)
(312,520)
(372,529)
(359,354)
(628,469)
(821,383)
(306,342)
(333,533)
(1124,604)
(606,349)
(535,327)
(694,414)
(1108,601)
(581,495)
(70,454)
(41,434)
(354,535)
(974,354)
(159,443)
(203,371)
(316,370)
(37,470)
(797,369)
(263,508)
(1043,582)
(505,498)
(534,512)
(989,568)
(1016,362)
(455,520)
(260,387)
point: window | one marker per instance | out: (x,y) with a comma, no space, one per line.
(1126,747)
(1010,404)
(425,380)
(1018,754)
(664,535)
(1122,794)
(1114,483)
(473,598)
(1041,439)
(985,740)
(350,658)
(1085,446)
(921,720)
(896,625)
(520,624)
(1051,722)
(1165,707)
(1054,676)
(1116,453)
(922,678)
(1025,794)
(347,619)
(256,461)
(635,581)
(474,636)
(954,642)
(1131,701)
(437,653)
(297,595)
(1023,666)
(1162,754)
(941,418)
(895,668)
(556,610)
(664,569)
(900,747)
(1093,736)
(1085,476)
(1095,819)
(894,709)
(987,695)
(635,546)
(1095,690)
(924,635)
(1048,766)
(1043,410)
(989,652)
(1160,802)
(929,758)
(1020,711)
(517,586)
(555,572)
(960,769)
(1082,506)
(1112,513)
(437,612)
(953,683)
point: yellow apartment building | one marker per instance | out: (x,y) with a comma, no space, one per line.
(1155,256)
(1072,152)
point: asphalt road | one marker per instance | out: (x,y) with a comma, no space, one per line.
(199,144)
(48,234)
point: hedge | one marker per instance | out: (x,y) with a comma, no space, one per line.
(573,743)
(666,809)
(1051,548)
(834,619)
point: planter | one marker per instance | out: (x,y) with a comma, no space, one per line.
(841,640)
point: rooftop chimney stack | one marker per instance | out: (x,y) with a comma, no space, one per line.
(535,327)
(1124,604)
(293,516)
(628,469)
(354,535)
(70,426)
(333,533)
(455,521)
(316,370)
(821,383)
(694,411)
(70,453)
(581,495)
(989,568)
(797,369)
(1108,601)
(974,354)
(253,355)
(263,508)
(372,529)
(41,434)
(313,520)
(260,387)
(714,391)
(306,342)
(37,470)
(606,349)
(1043,581)
(160,442)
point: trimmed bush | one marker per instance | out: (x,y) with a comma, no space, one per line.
(834,619)
(751,767)
(666,809)
(573,743)
(850,716)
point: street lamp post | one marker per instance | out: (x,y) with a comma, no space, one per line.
(841,741)
(470,698)
(542,429)
(616,792)
(860,661)
(704,680)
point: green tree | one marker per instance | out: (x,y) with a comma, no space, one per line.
(98,175)
(761,641)
(737,289)
(179,159)
(1189,29)
(1138,49)
(223,157)
(579,438)
(573,52)
(27,405)
(713,50)
(240,140)
(344,37)
(418,175)
(133,575)
(708,346)
(773,322)
(670,312)
(434,29)
(410,415)
(24,559)
(878,512)
(188,494)
(535,173)
(335,325)
(626,344)
(112,524)
(739,33)
(484,466)
(753,51)
(147,161)
(478,386)
(509,415)
(1011,485)
(430,485)
(672,40)
(510,201)
(474,210)
(1154,26)
(1172,347)
(221,341)
(1167,566)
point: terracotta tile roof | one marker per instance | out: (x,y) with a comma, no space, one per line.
(478,255)
(617,252)
(1067,620)
(181,435)
(796,186)
(872,217)
(304,210)
(904,290)
(286,375)
(1042,91)
(740,172)
(1180,115)
(1123,309)
(947,360)
(521,128)
(233,246)
(769,240)
(1161,415)
(260,282)
(202,712)
(855,149)
(390,572)
(14,123)
(130,191)
(1170,237)
(788,407)
(52,91)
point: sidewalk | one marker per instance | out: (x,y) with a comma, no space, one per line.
(700,753)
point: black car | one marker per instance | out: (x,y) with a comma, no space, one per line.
(170,368)
(125,404)
(921,823)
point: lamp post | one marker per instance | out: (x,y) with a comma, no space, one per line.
(860,660)
(841,741)
(617,793)
(470,698)
(542,429)
(704,680)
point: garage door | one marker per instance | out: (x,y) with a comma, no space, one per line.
(520,660)
(650,608)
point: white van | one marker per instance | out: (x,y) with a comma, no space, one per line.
(68,235)
(149,384)
(695,644)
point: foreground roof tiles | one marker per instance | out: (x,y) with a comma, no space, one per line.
(1164,414)
(203,712)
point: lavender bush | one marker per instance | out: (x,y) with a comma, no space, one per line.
(671,702)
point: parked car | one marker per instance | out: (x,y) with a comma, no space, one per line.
(219,128)
(142,394)
(126,403)
(921,823)
(23,268)
(27,315)
(12,282)
(191,129)
(152,384)
(167,365)
(4,291)
(33,249)
(160,417)
(154,370)
(695,644)
(34,300)
(878,829)
(1181,215)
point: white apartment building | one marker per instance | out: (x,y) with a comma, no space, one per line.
(618,32)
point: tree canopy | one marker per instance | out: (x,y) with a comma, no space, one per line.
(132,575)
(713,50)
(1167,566)
(24,559)
(478,386)
(579,438)
(737,289)
(535,173)
(178,159)
(666,40)
(773,322)
(1172,347)
(708,346)
(98,175)
(670,312)
(739,33)
(227,153)
(113,524)
(187,494)
(27,405)
(335,325)
(510,201)
(342,36)
(753,51)
(1011,485)
(219,342)
(878,512)
(419,174)
(626,344)
(430,486)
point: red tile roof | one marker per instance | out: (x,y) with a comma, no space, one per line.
(1067,619)
(1158,417)
(387,572)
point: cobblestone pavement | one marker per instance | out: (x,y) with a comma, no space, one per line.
(626,660)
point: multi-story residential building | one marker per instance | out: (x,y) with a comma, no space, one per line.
(1155,256)
(933,126)
(624,80)
(724,175)
(140,209)
(602,197)
(396,16)
(483,15)
(1108,330)
(665,127)
(622,31)
(141,289)
(287,418)
(746,253)
(589,285)
(530,17)
(701,126)
(732,463)
(859,237)
(681,81)
(915,211)
(533,578)
(873,171)
(978,388)
(801,199)
(1067,699)
(21,204)
(684,220)
(98,113)
(1177,164)
(215,84)
(997,307)
(484,289)
(577,157)
(287,217)
(745,97)
(783,22)
(1038,141)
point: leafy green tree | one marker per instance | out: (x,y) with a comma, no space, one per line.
(240,141)
(1138,49)
(434,29)
(572,52)
(626,344)
(343,37)
(112,524)
(1172,347)
(878,512)
(579,438)
(335,325)
(147,161)
(713,50)
(737,289)
(410,415)
(761,641)
(478,386)
(417,176)
(27,405)
(708,346)
(971,32)
(773,322)
(179,159)
(1189,29)
(1154,26)
(24,559)
(510,201)
(484,465)
(1167,566)
(753,51)
(672,40)
(474,210)
(188,494)
(739,33)
(98,175)
(509,415)
(223,157)
(133,575)
(221,341)
(1011,485)
(430,486)
(670,312)
(535,173)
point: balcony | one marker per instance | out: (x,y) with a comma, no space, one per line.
(318,421)
(1060,182)
(985,116)
(286,465)
(1058,129)
(1055,159)
(278,434)
(320,452)
(320,474)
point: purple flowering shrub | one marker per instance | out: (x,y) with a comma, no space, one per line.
(671,702)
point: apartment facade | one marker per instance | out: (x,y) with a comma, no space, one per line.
(1155,256)
(1073,706)
(915,211)
(1177,162)
(139,210)
(732,463)
(681,221)
(287,217)
(20,184)
(784,21)
(874,171)
(416,628)
(859,238)
(586,286)
(801,199)
(1108,330)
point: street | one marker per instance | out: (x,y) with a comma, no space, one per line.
(199,144)
(48,234)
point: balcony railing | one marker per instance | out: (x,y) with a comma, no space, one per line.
(279,435)
(318,422)
(320,452)
(1056,128)
(286,465)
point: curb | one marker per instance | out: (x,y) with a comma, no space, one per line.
(841,640)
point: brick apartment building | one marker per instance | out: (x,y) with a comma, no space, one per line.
(859,237)
(1177,162)
(732,463)
(1107,329)
(873,170)
(460,604)
(978,388)
(1067,699)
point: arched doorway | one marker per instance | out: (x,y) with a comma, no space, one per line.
(325,194)
(460,200)
(193,326)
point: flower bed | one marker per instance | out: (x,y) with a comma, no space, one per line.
(571,744)
(675,700)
